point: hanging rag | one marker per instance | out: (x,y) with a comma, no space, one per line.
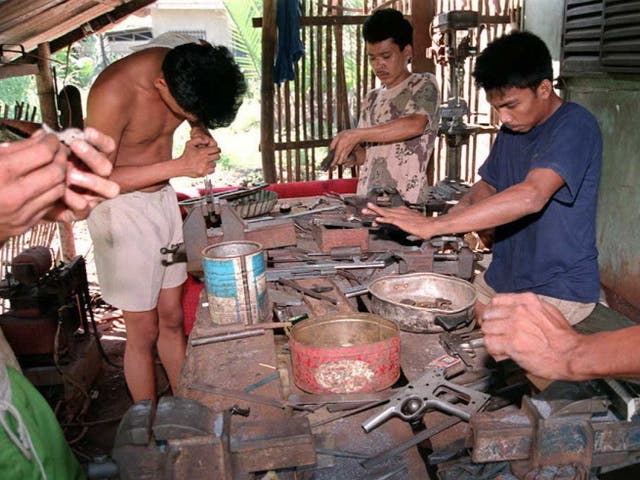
(290,47)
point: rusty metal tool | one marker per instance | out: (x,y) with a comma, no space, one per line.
(298,214)
(428,393)
(315,270)
(244,396)
(349,413)
(214,331)
(418,438)
(236,332)
(307,291)
(325,165)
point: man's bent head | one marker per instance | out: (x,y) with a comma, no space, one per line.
(206,82)
(516,60)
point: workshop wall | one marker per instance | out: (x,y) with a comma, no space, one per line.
(614,101)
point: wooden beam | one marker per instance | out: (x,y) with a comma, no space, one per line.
(267,90)
(46,90)
(18,70)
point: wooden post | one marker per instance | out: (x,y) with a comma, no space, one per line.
(46,95)
(422,13)
(267,90)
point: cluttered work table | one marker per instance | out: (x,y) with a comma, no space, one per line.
(327,348)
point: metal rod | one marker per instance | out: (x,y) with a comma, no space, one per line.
(223,338)
(293,215)
(420,437)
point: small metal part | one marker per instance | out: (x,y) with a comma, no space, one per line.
(66,136)
(325,165)
(237,410)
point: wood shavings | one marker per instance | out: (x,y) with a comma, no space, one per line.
(66,136)
(344,376)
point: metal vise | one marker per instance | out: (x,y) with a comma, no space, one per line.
(449,255)
(182,441)
(431,392)
(569,425)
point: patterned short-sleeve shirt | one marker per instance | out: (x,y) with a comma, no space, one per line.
(402,165)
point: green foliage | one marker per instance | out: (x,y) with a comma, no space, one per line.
(247,40)
(74,66)
(18,89)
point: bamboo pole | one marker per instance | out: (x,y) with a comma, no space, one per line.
(287,127)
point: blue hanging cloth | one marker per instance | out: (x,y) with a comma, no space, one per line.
(290,47)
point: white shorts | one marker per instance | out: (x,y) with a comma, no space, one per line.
(128,233)
(574,312)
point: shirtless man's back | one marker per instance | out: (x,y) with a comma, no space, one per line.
(140,100)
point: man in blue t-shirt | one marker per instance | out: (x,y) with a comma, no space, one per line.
(539,185)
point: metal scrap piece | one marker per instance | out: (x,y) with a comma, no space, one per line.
(66,136)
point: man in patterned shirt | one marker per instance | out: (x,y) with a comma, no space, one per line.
(398,121)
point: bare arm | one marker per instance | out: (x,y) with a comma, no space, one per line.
(394,131)
(536,335)
(107,111)
(478,192)
(522,199)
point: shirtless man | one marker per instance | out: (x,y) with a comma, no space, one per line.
(139,101)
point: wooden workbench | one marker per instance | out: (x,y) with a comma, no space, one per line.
(238,364)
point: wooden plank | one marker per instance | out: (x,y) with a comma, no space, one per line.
(231,365)
(269,38)
(13,12)
(48,27)
(18,70)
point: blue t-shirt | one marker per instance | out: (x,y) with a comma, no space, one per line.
(552,252)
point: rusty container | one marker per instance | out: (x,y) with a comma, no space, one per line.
(235,281)
(347,353)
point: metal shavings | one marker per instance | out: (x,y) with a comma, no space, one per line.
(344,376)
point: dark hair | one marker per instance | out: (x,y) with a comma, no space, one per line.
(205,81)
(388,23)
(519,59)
